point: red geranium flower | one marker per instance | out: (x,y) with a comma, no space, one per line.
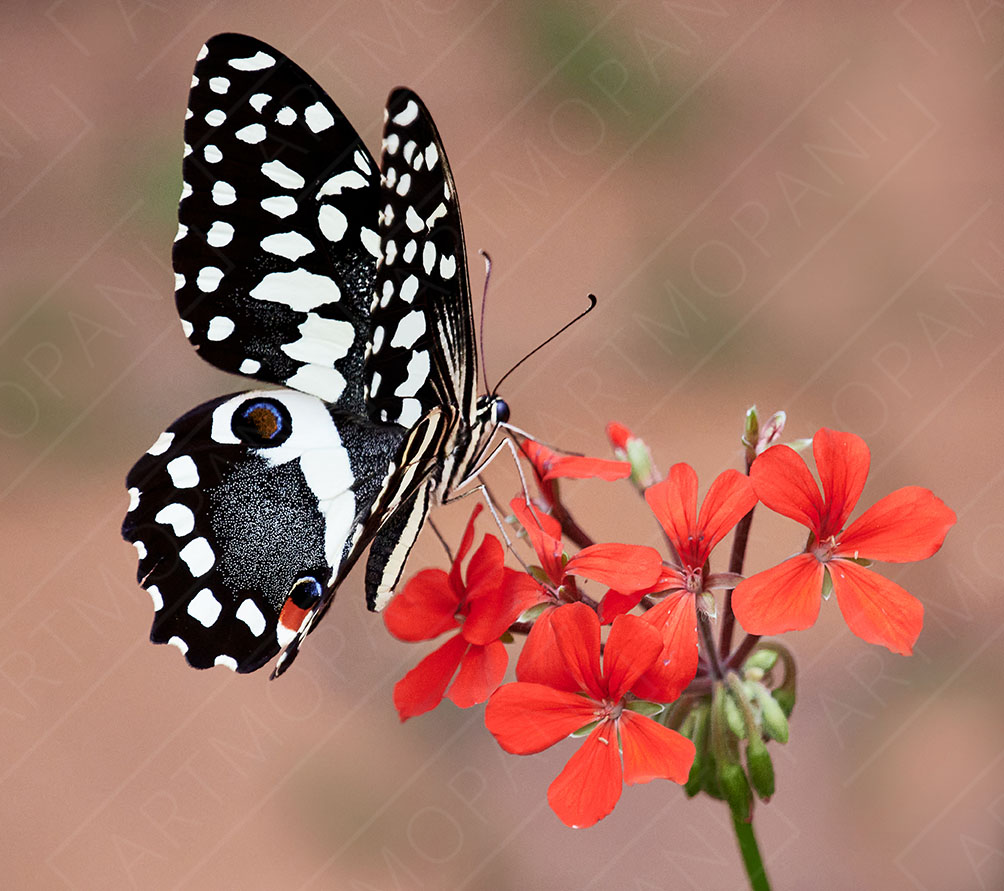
(693,536)
(549,466)
(482,609)
(572,693)
(910,524)
(629,567)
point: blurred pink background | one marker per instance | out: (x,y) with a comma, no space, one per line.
(792,204)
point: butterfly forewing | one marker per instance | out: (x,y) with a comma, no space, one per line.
(423,350)
(277,242)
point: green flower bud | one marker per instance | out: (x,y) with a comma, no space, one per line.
(760,768)
(762,659)
(700,737)
(734,716)
(736,790)
(785,698)
(773,717)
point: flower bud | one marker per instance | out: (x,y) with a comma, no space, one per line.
(630,448)
(785,698)
(699,735)
(772,716)
(760,768)
(751,433)
(734,717)
(736,790)
(762,659)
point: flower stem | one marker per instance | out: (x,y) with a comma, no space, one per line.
(755,871)
(736,560)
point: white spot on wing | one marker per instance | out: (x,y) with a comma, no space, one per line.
(179,517)
(428,257)
(250,366)
(215,117)
(212,154)
(285,116)
(187,327)
(252,133)
(183,472)
(348,179)
(220,328)
(322,341)
(205,608)
(198,555)
(209,278)
(179,643)
(156,597)
(140,549)
(223,193)
(220,234)
(251,616)
(133,499)
(299,289)
(409,329)
(325,383)
(258,100)
(418,371)
(448,267)
(253,63)
(202,53)
(291,245)
(280,205)
(283,175)
(370,240)
(219,84)
(413,220)
(411,411)
(318,118)
(332,222)
(226,661)
(409,288)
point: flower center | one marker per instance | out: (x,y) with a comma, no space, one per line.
(824,550)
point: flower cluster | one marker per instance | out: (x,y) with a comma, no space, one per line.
(654,695)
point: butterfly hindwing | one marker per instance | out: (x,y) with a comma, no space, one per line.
(277,242)
(243,512)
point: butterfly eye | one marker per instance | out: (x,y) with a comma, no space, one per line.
(501,411)
(263,423)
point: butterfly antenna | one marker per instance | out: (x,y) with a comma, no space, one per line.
(539,347)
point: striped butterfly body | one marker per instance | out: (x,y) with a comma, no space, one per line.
(300,262)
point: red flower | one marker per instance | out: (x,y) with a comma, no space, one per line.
(910,524)
(482,609)
(549,466)
(628,567)
(693,536)
(573,693)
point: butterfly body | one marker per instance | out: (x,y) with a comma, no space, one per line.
(301,263)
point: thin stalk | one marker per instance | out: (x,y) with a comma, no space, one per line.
(752,860)
(736,560)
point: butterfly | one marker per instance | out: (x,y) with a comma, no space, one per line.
(300,262)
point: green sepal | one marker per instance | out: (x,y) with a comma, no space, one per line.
(762,659)
(784,698)
(772,715)
(584,731)
(644,707)
(733,716)
(760,768)
(827,585)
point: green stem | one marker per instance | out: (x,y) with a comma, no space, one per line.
(751,856)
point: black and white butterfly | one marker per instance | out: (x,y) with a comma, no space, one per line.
(299,262)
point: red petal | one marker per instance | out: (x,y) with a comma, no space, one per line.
(632,646)
(465,546)
(621,566)
(577,636)
(910,524)
(785,598)
(540,661)
(544,533)
(729,499)
(490,610)
(876,609)
(589,786)
(616,603)
(578,467)
(424,608)
(842,461)
(619,435)
(674,503)
(422,688)
(481,671)
(653,751)
(528,718)
(676,666)
(782,481)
